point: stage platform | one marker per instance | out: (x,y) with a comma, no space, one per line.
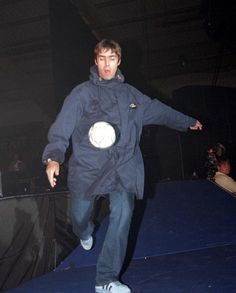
(182,240)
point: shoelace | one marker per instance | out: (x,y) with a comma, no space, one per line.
(108,287)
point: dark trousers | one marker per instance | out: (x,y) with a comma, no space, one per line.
(113,252)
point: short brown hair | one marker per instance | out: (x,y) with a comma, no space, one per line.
(107,44)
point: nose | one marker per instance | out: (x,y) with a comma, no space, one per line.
(107,62)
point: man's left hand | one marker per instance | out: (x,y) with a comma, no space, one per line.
(197,126)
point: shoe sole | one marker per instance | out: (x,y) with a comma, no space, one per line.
(97,290)
(101,291)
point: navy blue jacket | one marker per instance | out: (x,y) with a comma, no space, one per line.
(94,171)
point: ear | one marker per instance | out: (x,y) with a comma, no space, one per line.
(119,62)
(95,61)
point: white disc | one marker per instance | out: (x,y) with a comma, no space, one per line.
(102,135)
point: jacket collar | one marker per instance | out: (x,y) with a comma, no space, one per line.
(119,77)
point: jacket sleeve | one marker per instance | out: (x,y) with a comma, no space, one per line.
(61,130)
(155,112)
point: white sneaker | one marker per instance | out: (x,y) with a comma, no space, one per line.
(113,287)
(87,244)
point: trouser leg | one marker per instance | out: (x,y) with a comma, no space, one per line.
(113,252)
(81,213)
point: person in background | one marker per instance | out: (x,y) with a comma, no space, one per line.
(219,168)
(104,117)
(16,165)
(17,176)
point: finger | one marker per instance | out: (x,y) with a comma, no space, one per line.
(52,181)
(51,178)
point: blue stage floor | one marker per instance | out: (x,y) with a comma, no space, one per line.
(183,240)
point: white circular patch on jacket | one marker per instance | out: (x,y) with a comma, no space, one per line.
(102,135)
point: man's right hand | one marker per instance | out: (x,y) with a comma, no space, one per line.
(52,170)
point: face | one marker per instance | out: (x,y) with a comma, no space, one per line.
(224,167)
(107,64)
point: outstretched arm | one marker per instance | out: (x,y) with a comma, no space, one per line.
(61,130)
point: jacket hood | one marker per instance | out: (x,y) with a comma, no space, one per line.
(94,77)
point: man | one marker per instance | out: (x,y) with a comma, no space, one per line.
(112,169)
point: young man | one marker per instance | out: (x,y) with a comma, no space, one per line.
(101,165)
